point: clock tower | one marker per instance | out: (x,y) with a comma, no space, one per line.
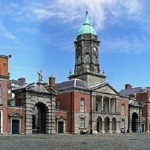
(87,55)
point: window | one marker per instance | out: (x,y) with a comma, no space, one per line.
(122,109)
(82,105)
(87,59)
(0,94)
(82,122)
(58,104)
(122,123)
(94,59)
(96,106)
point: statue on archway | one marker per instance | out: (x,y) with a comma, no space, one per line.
(40,76)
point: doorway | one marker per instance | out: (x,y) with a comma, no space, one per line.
(39,118)
(107,123)
(15,126)
(60,127)
(134,122)
(99,124)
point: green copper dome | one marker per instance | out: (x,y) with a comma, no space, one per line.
(86,27)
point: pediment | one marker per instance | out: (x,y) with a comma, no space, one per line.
(105,88)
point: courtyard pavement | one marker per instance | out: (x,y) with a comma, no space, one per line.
(128,141)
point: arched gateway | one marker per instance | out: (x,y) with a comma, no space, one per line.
(134,122)
(39,114)
(39,103)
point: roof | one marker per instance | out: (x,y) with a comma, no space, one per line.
(86,27)
(16,82)
(34,87)
(3,56)
(74,83)
(133,91)
(105,88)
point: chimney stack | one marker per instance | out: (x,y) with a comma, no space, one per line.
(22,80)
(51,80)
(128,86)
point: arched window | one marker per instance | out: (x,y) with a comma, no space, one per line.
(82,105)
(94,59)
(122,109)
(87,59)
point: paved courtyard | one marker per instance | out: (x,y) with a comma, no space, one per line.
(135,141)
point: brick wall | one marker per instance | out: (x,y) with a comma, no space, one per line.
(3,65)
(70,102)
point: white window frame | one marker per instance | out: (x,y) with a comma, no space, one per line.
(82,123)
(123,109)
(82,105)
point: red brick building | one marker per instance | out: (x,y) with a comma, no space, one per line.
(10,117)
(84,102)
(89,101)
(138,110)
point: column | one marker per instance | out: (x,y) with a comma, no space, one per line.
(110,127)
(93,102)
(109,105)
(94,127)
(103,127)
(28,123)
(102,103)
(118,126)
(116,105)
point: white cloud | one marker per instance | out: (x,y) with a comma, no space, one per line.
(100,11)
(8,34)
(42,14)
(125,44)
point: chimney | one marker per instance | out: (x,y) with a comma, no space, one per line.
(51,80)
(22,80)
(128,86)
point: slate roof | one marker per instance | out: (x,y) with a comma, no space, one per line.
(16,83)
(35,87)
(74,83)
(132,91)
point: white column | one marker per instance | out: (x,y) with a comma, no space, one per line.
(118,126)
(109,105)
(103,125)
(110,127)
(116,105)
(1,117)
(93,102)
(102,100)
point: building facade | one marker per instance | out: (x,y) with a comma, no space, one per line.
(138,108)
(84,102)
(91,103)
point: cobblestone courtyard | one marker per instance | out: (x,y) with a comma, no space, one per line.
(136,141)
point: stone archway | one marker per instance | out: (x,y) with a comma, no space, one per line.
(99,124)
(107,124)
(39,113)
(114,124)
(134,122)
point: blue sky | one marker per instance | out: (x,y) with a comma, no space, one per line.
(39,34)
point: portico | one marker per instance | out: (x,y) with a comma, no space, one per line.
(105,115)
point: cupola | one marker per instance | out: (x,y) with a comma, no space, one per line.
(86,27)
